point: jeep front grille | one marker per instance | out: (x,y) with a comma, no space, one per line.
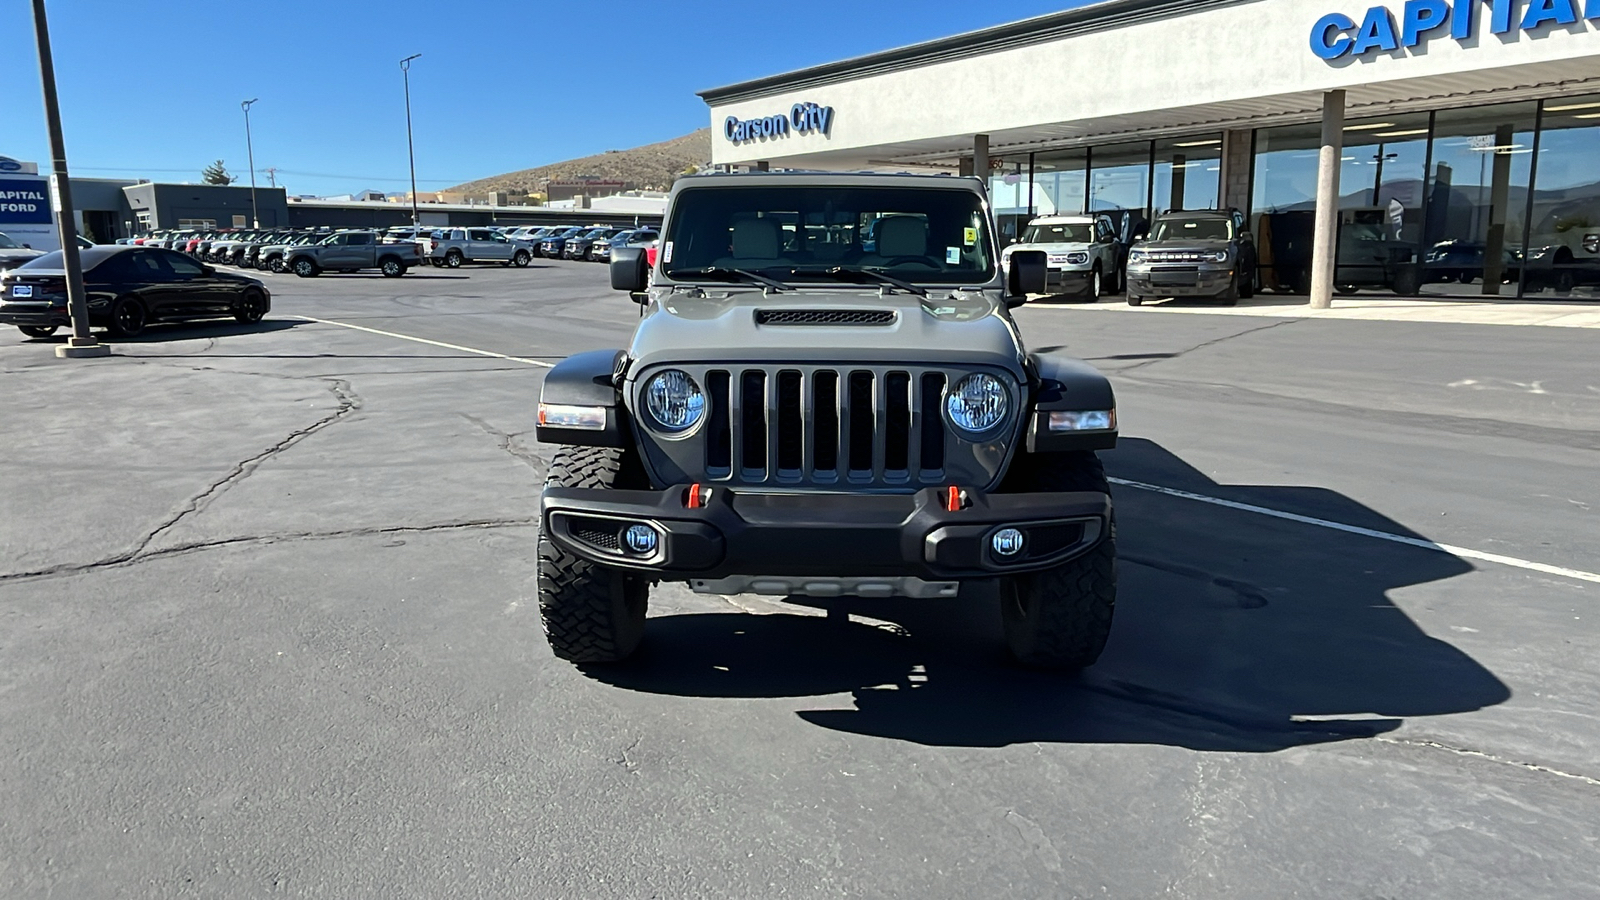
(821,426)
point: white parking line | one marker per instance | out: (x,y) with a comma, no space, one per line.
(406,337)
(1463,552)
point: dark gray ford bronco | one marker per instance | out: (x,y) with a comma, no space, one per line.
(827,396)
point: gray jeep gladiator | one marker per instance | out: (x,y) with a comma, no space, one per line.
(826,395)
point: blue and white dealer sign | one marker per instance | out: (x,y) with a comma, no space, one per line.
(1338,36)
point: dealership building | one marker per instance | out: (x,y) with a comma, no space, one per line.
(1430,145)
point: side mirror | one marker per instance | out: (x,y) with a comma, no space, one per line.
(629,270)
(1029,273)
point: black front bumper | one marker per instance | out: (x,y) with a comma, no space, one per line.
(821,534)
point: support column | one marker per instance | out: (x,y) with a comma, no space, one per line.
(1494,245)
(1325,243)
(980,156)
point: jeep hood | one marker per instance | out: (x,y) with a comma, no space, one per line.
(726,325)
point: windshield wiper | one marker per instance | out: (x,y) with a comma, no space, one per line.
(843,274)
(749,276)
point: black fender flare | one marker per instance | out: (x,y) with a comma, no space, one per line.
(1068,384)
(587,379)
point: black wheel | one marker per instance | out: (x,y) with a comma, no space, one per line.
(1060,618)
(305,268)
(1230,297)
(1565,281)
(128,317)
(251,308)
(452,259)
(275,264)
(37,331)
(1406,282)
(522,259)
(391,267)
(1247,288)
(591,613)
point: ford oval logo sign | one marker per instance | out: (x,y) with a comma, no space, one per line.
(9,165)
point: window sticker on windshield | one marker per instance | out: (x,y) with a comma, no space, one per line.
(952,256)
(666,252)
(969,236)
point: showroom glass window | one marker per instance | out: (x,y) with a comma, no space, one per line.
(1010,197)
(1563,254)
(1283,204)
(1477,198)
(1119,181)
(1188,172)
(1381,174)
(1060,182)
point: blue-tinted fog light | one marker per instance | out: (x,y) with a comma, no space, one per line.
(1006,542)
(641,538)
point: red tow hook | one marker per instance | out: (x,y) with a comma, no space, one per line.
(956,499)
(695,499)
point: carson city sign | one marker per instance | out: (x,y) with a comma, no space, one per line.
(1337,35)
(803,118)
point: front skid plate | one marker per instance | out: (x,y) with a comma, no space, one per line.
(818,586)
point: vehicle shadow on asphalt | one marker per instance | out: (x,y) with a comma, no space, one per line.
(163,332)
(1234,631)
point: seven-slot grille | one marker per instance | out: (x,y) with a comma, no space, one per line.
(809,425)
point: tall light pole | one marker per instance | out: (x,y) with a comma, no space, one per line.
(255,215)
(411,150)
(81,343)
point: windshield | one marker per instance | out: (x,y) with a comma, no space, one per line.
(936,236)
(1059,233)
(1193,230)
(6,243)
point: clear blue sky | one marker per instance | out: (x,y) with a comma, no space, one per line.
(151,88)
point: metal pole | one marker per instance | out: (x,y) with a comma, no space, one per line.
(255,215)
(81,343)
(1324,244)
(411,150)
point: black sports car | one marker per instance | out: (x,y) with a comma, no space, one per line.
(127,287)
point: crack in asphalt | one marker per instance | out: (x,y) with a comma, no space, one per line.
(125,560)
(509,443)
(1479,754)
(1166,357)
(348,403)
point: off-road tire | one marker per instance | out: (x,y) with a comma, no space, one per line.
(391,267)
(452,259)
(305,267)
(1097,284)
(37,331)
(1059,618)
(591,613)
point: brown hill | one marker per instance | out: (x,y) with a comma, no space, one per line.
(651,167)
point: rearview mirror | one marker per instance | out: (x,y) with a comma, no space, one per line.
(1029,273)
(629,270)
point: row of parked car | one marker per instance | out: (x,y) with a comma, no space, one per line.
(456,246)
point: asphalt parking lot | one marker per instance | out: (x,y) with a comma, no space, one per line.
(270,628)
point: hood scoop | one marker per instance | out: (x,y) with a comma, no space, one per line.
(825,316)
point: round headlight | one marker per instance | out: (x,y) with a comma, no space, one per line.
(675,402)
(977,403)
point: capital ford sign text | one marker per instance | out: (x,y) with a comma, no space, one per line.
(803,118)
(1337,35)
